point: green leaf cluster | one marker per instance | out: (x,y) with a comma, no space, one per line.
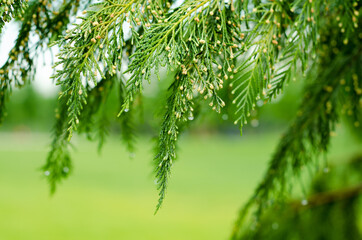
(245,51)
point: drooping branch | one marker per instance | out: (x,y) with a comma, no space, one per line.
(328,197)
(338,73)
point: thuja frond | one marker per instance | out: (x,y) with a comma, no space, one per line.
(178,108)
(336,88)
(94,46)
(128,135)
(156,43)
(209,42)
(10,9)
(126,120)
(96,97)
(94,120)
(276,39)
(58,164)
(198,38)
(103,129)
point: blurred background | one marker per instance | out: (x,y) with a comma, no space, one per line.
(111,195)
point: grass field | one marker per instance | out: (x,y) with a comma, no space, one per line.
(111,197)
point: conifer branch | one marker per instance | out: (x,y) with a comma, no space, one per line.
(10,9)
(328,197)
(127,121)
(275,44)
(96,97)
(38,19)
(321,207)
(58,164)
(155,44)
(310,134)
(103,129)
(178,109)
(255,45)
(94,46)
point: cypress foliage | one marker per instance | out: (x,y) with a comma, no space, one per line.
(10,9)
(254,48)
(331,93)
(328,213)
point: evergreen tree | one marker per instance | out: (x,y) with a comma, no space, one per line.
(230,54)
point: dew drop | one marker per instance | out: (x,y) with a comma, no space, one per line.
(254,123)
(304,202)
(260,103)
(275,226)
(65,169)
(46,173)
(126,110)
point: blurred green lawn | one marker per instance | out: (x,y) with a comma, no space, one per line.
(110,196)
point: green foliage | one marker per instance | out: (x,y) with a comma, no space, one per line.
(58,164)
(334,89)
(178,109)
(10,9)
(42,22)
(252,47)
(333,206)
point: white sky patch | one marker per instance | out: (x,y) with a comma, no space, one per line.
(42,83)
